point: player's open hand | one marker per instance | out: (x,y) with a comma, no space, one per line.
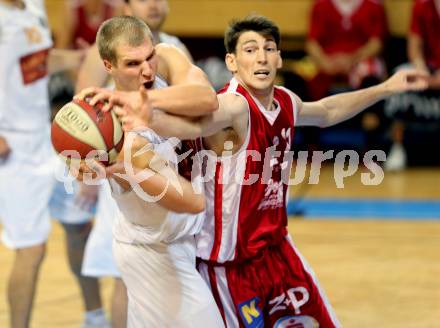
(94,95)
(133,109)
(410,79)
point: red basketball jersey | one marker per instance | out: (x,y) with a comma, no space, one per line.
(246,197)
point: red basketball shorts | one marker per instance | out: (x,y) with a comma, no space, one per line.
(279,289)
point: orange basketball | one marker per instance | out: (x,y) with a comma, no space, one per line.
(81,131)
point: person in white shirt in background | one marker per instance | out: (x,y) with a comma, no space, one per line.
(25,149)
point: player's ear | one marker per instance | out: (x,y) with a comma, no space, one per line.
(231,62)
(108,65)
(280,60)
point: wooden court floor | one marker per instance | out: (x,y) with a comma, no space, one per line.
(376,272)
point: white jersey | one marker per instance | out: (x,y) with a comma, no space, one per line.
(155,252)
(25,41)
(143,222)
(98,253)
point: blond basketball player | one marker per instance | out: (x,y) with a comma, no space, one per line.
(255,272)
(154,243)
(98,256)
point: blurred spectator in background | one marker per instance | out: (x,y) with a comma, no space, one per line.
(422,108)
(26,153)
(216,70)
(154,14)
(83,20)
(345,41)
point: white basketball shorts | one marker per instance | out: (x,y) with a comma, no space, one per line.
(62,203)
(164,287)
(98,256)
(26,182)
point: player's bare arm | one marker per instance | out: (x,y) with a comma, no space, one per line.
(338,108)
(143,167)
(143,162)
(190,92)
(134,110)
(232,113)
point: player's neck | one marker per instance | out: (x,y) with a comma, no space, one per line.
(266,101)
(264,96)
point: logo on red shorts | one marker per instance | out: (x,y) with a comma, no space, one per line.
(251,313)
(302,321)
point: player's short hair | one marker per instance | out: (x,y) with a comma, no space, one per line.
(123,29)
(256,23)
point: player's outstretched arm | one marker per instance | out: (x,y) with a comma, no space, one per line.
(134,110)
(335,109)
(189,92)
(177,195)
(232,112)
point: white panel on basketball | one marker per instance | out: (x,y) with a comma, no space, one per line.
(75,121)
(117,129)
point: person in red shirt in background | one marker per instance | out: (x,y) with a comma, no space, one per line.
(423,53)
(82,20)
(345,40)
(423,41)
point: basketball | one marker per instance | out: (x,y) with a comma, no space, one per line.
(81,131)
